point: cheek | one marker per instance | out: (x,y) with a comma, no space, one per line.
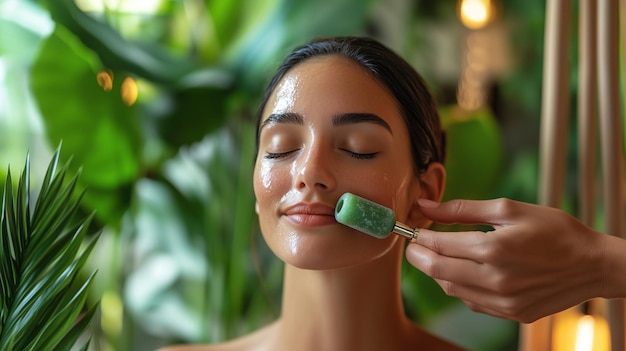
(270,184)
(264,182)
(392,187)
(269,178)
(264,178)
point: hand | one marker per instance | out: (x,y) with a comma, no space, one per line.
(537,261)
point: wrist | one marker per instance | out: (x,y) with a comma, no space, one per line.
(613,267)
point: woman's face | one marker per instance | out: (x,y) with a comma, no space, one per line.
(329,128)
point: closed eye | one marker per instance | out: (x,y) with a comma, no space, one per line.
(361,156)
(278,155)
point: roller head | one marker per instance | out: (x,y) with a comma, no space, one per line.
(365,215)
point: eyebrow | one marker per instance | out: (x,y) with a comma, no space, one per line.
(360,117)
(286,118)
(338,120)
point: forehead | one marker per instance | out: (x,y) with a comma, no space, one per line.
(330,85)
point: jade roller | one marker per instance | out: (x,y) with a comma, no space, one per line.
(370,218)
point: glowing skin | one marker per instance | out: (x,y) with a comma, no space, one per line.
(286,95)
(330,128)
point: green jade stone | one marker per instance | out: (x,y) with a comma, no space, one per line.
(365,215)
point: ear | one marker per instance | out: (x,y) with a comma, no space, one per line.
(432,183)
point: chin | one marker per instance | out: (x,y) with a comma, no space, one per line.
(325,252)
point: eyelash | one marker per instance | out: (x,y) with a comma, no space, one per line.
(355,155)
(358,156)
(277,155)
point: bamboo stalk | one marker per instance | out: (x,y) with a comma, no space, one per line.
(623,70)
(587,109)
(553,138)
(611,143)
(587,123)
(555,111)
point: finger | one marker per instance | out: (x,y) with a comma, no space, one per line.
(491,212)
(461,271)
(467,245)
(476,299)
(485,301)
(523,306)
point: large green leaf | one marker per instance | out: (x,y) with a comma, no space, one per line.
(95,126)
(43,295)
(191,98)
(151,62)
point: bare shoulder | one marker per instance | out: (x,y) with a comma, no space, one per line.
(255,341)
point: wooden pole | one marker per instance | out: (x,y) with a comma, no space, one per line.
(623,70)
(611,143)
(553,138)
(555,110)
(587,123)
(587,110)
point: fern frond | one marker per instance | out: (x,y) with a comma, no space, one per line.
(43,295)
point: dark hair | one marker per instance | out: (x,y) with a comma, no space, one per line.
(417,106)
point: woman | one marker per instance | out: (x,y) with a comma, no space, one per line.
(342,115)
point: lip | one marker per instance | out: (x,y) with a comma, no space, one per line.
(310,214)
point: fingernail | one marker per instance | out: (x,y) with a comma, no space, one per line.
(427,203)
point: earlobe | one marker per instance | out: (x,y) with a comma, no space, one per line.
(432,183)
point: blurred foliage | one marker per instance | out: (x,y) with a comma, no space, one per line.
(474,153)
(169,175)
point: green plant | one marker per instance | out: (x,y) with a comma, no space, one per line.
(42,305)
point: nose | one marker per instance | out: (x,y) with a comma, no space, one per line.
(315,171)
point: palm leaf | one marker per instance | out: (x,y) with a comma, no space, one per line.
(43,294)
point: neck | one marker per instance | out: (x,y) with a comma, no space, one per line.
(358,308)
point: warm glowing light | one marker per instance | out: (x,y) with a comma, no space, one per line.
(472,92)
(575,331)
(129,91)
(475,13)
(105,80)
(584,333)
